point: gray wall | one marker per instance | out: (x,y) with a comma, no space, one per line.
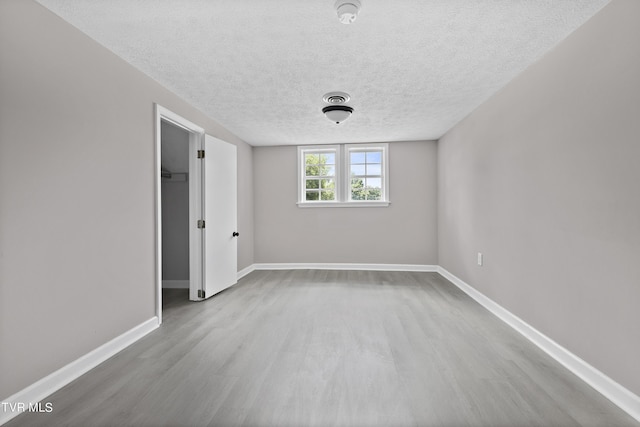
(175,204)
(175,230)
(403,233)
(77,193)
(544,180)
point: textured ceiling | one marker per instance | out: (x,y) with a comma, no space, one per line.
(413,68)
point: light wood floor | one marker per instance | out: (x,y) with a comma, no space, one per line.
(323,348)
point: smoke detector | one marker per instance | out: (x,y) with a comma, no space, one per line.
(336,111)
(347,10)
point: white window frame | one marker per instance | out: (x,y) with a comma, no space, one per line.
(343,176)
(348,149)
(302,150)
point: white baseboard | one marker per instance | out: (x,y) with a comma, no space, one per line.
(619,395)
(246,271)
(39,390)
(345,266)
(175,284)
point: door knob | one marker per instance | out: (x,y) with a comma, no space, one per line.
(236,234)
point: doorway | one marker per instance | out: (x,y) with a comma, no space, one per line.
(174,177)
(177,170)
(197,174)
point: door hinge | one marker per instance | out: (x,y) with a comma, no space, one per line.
(201,223)
(200,293)
(201,154)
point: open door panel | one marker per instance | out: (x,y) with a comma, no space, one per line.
(219,196)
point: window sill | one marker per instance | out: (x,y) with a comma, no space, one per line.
(372,204)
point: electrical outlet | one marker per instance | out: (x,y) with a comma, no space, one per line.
(479,258)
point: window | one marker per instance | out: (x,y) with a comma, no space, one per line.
(320,175)
(365,173)
(343,175)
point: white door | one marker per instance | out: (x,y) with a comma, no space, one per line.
(220,238)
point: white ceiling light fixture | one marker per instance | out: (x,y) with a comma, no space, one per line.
(337,112)
(347,10)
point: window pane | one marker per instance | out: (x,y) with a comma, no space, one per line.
(373,183)
(312,183)
(320,170)
(324,170)
(328,158)
(312,195)
(374,169)
(311,159)
(374,194)
(328,195)
(357,189)
(357,157)
(358,194)
(358,170)
(327,184)
(374,157)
